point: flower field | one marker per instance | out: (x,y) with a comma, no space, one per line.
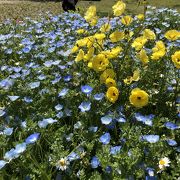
(88,97)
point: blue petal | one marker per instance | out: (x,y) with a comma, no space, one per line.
(8,131)
(2,163)
(95,162)
(99,96)
(151,138)
(32,138)
(114,150)
(106,120)
(171,142)
(86,89)
(105,138)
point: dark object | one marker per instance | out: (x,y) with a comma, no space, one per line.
(69,5)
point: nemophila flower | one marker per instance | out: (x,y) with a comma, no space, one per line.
(139,42)
(151,138)
(116,36)
(106,120)
(138,98)
(8,131)
(34,85)
(172,35)
(126,20)
(95,162)
(171,142)
(13,98)
(32,138)
(59,107)
(108,73)
(20,148)
(112,94)
(171,125)
(6,83)
(115,150)
(63,92)
(45,122)
(108,169)
(78,125)
(164,162)
(73,156)
(158,51)
(100,62)
(147,119)
(2,113)
(176,59)
(62,164)
(9,155)
(149,34)
(85,106)
(150,172)
(93,129)
(67,78)
(86,89)
(2,163)
(99,96)
(105,138)
(119,8)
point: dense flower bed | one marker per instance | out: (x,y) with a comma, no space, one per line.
(89,97)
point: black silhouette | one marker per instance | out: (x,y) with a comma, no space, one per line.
(69,5)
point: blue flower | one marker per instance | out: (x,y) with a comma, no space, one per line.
(86,89)
(8,131)
(171,125)
(59,107)
(108,169)
(13,98)
(114,150)
(34,85)
(151,138)
(2,163)
(105,138)
(9,155)
(85,106)
(99,96)
(95,162)
(73,156)
(121,119)
(171,142)
(60,114)
(32,138)
(147,119)
(2,113)
(93,129)
(28,99)
(106,120)
(63,92)
(67,78)
(45,122)
(20,148)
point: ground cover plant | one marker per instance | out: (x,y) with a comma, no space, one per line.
(84,97)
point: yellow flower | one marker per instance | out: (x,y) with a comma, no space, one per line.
(93,21)
(172,35)
(135,77)
(112,94)
(148,34)
(74,49)
(90,13)
(128,80)
(143,56)
(99,36)
(116,36)
(105,28)
(138,98)
(108,73)
(110,82)
(81,31)
(90,41)
(176,59)
(89,54)
(80,56)
(139,42)
(81,42)
(100,62)
(127,20)
(119,8)
(158,51)
(140,16)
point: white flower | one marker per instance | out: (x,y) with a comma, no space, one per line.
(62,164)
(164,162)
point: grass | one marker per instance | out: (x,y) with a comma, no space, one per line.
(19,9)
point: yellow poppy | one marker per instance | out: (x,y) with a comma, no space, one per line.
(112,94)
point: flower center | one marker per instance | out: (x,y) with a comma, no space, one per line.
(62,162)
(162,162)
(139,98)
